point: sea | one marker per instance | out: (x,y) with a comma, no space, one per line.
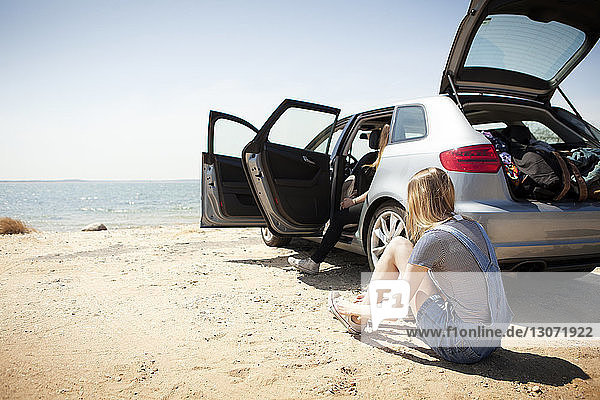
(71,205)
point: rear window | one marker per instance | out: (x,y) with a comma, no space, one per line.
(517,43)
(538,130)
(542,132)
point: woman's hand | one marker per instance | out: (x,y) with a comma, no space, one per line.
(346,203)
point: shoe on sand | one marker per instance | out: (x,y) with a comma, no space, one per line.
(351,326)
(304,265)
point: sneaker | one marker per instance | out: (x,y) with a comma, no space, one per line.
(304,265)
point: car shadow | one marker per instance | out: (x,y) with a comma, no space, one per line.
(340,271)
(502,364)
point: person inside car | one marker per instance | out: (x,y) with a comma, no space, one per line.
(452,272)
(350,207)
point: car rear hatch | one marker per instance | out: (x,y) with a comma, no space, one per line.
(521,48)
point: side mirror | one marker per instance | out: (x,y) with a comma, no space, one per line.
(364,135)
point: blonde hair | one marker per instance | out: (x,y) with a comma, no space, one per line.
(430,201)
(383,141)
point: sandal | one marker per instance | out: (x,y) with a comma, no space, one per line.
(351,326)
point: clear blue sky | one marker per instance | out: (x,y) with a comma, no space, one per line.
(121,90)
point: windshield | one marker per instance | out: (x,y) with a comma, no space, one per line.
(517,43)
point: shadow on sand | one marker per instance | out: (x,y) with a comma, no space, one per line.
(341,271)
(502,364)
(506,365)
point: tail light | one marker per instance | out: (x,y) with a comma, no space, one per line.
(478,158)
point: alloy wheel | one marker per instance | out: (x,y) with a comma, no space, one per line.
(388,225)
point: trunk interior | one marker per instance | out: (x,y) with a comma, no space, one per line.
(509,125)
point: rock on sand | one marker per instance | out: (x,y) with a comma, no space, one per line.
(94,227)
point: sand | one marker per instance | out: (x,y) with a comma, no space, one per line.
(178,312)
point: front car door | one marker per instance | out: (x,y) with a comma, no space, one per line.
(291,181)
(227,200)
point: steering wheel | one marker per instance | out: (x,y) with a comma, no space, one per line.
(350,164)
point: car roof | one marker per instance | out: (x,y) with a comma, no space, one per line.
(389,107)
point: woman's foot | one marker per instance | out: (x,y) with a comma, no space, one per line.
(360,309)
(350,323)
(306,265)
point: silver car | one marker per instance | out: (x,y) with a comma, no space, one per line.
(506,63)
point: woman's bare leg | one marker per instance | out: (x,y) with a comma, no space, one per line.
(392,262)
(391,266)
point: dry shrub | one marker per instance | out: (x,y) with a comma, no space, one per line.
(9,226)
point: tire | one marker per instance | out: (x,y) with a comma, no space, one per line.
(273,240)
(379,235)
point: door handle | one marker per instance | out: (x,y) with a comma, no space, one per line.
(308,160)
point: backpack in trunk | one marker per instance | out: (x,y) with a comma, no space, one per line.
(547,176)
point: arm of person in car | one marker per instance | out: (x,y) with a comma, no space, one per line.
(361,198)
(348,202)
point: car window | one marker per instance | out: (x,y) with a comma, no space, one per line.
(518,43)
(409,123)
(296,127)
(360,147)
(322,147)
(231,137)
(542,132)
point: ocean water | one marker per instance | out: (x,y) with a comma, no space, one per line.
(67,206)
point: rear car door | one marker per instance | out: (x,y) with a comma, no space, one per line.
(290,181)
(227,199)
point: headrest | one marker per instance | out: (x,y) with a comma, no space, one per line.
(518,133)
(374,139)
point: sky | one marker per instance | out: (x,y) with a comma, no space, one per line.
(122,90)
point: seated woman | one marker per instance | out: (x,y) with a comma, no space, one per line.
(349,212)
(452,271)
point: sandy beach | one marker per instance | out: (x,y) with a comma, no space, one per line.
(179,312)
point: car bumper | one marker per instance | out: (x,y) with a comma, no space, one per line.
(534,230)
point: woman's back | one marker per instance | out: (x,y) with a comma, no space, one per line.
(455,270)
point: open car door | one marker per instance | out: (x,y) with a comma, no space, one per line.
(291,183)
(227,199)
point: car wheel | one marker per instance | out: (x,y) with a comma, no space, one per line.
(386,223)
(273,240)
